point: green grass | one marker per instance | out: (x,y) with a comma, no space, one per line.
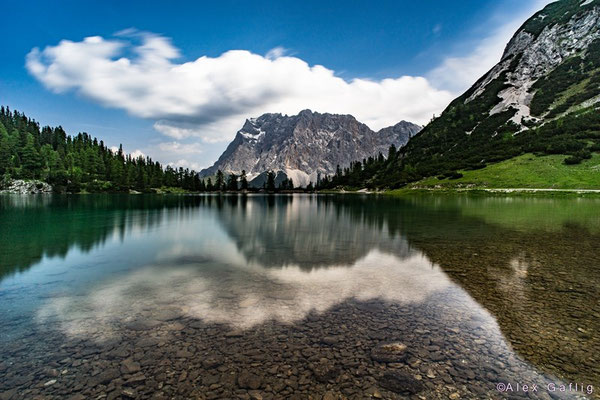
(526,171)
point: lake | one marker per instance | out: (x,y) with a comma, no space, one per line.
(299,296)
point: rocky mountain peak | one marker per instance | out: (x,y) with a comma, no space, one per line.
(305,145)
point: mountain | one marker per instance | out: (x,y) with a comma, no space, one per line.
(305,146)
(554,51)
(541,98)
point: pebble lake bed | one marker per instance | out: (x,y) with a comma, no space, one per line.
(299,297)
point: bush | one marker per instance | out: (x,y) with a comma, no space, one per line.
(595,147)
(97,186)
(572,160)
(59,177)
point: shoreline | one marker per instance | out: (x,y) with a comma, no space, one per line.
(499,191)
(39,187)
(472,191)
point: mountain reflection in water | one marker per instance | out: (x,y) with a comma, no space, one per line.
(93,264)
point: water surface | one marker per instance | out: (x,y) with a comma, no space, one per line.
(288,296)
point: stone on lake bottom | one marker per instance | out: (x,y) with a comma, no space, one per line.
(324,371)
(329,340)
(400,382)
(329,396)
(129,366)
(389,352)
(248,380)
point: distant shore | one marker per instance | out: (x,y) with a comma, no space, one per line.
(39,187)
(497,191)
(473,190)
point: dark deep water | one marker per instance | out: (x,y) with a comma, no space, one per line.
(273,297)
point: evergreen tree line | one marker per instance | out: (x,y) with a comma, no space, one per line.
(444,148)
(82,162)
(234,182)
(357,174)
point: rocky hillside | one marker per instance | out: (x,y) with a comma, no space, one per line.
(306,145)
(542,98)
(550,67)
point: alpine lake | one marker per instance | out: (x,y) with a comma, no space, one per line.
(299,297)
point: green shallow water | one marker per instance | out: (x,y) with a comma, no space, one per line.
(185,296)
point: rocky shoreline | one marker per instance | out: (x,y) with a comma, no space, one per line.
(20,186)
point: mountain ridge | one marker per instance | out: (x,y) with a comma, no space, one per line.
(305,146)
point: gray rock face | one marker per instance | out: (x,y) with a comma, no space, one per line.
(305,145)
(536,56)
(19,186)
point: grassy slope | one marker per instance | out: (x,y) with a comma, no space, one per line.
(526,171)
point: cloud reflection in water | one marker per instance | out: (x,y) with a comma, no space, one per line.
(241,295)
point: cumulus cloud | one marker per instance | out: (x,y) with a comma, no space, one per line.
(211,96)
(458,73)
(180,148)
(134,154)
(183,163)
(138,153)
(178,154)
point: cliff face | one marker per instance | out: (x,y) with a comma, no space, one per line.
(563,32)
(305,145)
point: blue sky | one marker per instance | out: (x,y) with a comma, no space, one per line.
(396,60)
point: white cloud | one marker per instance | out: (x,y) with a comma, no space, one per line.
(276,52)
(134,154)
(180,148)
(185,164)
(458,73)
(137,153)
(210,97)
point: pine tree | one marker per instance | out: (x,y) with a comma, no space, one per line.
(5,151)
(243,180)
(232,182)
(271,181)
(31,162)
(220,181)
